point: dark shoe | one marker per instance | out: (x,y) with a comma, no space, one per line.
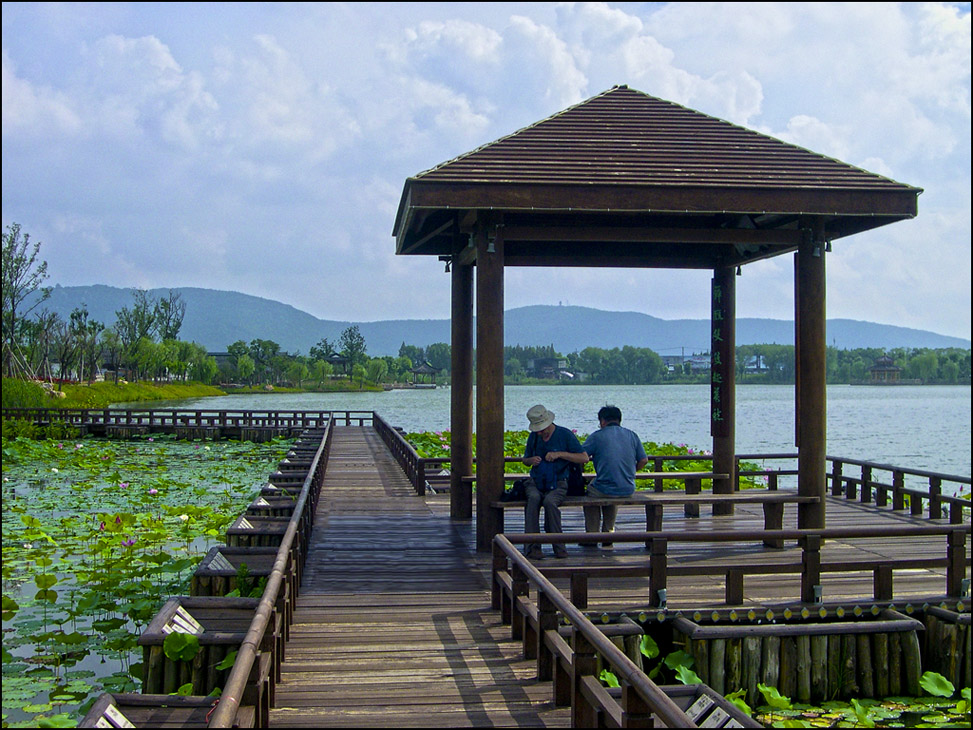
(560,553)
(589,546)
(608,546)
(534,553)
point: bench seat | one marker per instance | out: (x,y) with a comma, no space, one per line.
(654,503)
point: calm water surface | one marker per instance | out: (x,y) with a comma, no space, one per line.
(923,427)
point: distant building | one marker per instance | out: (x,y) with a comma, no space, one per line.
(422,371)
(884,370)
(551,368)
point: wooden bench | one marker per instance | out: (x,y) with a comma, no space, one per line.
(654,503)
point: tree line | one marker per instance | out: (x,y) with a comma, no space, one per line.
(143,344)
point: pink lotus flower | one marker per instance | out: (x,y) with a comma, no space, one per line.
(153,492)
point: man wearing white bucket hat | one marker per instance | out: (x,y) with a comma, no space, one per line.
(549,451)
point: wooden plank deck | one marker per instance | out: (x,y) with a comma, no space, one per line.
(393,626)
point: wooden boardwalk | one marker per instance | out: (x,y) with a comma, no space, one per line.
(393,625)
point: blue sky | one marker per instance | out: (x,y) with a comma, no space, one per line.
(262,148)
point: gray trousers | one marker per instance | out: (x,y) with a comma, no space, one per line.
(550,501)
(592,515)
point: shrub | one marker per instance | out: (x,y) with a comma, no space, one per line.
(23,394)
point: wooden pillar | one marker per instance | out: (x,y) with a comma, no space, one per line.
(723,383)
(811,351)
(489,381)
(461,388)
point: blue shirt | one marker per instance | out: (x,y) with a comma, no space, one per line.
(561,440)
(615,452)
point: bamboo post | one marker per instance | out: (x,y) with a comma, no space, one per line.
(880,657)
(819,668)
(803,668)
(788,666)
(734,665)
(911,662)
(895,664)
(770,659)
(865,670)
(849,666)
(834,665)
(701,659)
(717,659)
(751,667)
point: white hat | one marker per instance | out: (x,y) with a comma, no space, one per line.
(540,418)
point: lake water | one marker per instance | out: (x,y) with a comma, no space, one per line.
(921,427)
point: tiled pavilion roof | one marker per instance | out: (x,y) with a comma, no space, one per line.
(624,160)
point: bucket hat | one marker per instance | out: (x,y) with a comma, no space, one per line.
(540,418)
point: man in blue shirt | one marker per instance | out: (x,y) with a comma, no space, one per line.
(617,453)
(549,450)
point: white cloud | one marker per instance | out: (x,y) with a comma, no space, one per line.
(37,111)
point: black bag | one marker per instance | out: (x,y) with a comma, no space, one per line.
(576,483)
(516,493)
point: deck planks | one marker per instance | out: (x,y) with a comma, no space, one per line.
(393,625)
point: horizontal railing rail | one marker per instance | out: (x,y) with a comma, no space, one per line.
(224,715)
(810,565)
(641,697)
(404,453)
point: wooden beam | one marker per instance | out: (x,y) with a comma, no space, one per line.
(551,235)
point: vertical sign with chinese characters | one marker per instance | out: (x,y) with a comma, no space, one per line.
(721,358)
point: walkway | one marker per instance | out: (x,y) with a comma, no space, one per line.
(393,626)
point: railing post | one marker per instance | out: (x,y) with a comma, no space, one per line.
(955,562)
(898,484)
(657,464)
(658,567)
(866,484)
(811,564)
(546,621)
(851,489)
(693,486)
(585,665)
(499,565)
(579,590)
(635,710)
(935,503)
(520,587)
(882,583)
(733,590)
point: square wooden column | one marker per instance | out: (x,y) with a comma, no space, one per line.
(723,383)
(811,355)
(461,386)
(489,382)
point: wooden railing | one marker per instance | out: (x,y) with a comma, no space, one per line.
(573,668)
(172,418)
(412,464)
(225,713)
(810,565)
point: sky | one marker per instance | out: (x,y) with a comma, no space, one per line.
(263,148)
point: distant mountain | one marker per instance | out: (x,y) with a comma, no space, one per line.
(216,319)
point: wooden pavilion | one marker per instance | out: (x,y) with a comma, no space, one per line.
(628,180)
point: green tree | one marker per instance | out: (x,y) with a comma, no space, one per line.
(297,373)
(438,354)
(22,275)
(245,367)
(353,345)
(358,373)
(321,370)
(322,351)
(377,370)
(169,314)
